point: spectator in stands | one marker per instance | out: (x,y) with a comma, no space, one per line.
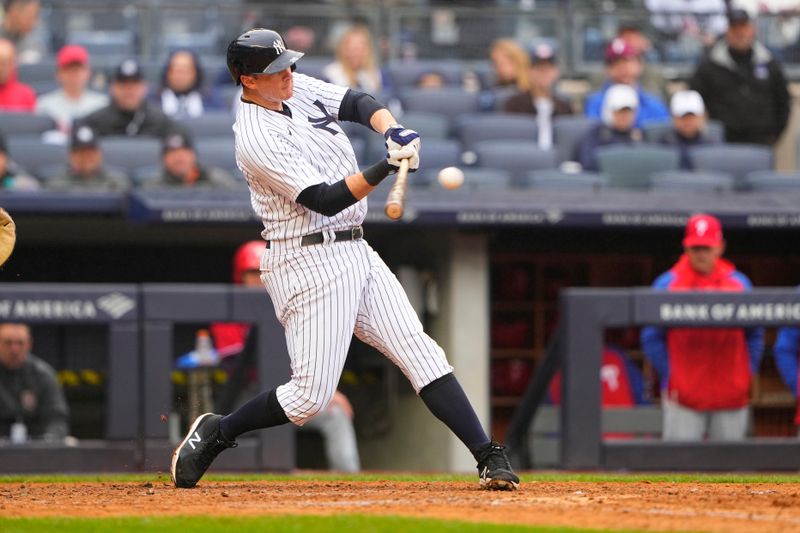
(181,95)
(73,100)
(14,96)
(21,26)
(32,404)
(13,178)
(356,64)
(705,372)
(431,79)
(743,85)
(510,64)
(786,352)
(180,168)
(129,113)
(624,66)
(335,422)
(688,125)
(85,167)
(541,99)
(620,106)
(652,79)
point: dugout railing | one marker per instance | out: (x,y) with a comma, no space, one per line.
(576,350)
(141,322)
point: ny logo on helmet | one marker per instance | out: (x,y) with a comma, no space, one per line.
(279,46)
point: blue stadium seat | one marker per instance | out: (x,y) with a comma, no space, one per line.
(437,154)
(217,152)
(737,159)
(131,152)
(685,181)
(516,157)
(428,125)
(449,102)
(16,124)
(33,155)
(211,124)
(475,179)
(630,166)
(767,180)
(567,132)
(114,43)
(554,179)
(654,131)
(478,127)
(404,75)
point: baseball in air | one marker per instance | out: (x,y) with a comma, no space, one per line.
(451,177)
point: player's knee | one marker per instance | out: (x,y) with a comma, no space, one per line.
(312,404)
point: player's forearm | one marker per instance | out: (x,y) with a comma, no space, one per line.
(381,120)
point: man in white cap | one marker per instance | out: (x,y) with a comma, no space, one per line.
(619,112)
(688,125)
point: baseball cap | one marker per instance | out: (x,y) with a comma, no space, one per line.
(542,53)
(687,103)
(247,257)
(83,137)
(619,49)
(176,140)
(703,230)
(620,96)
(72,54)
(128,70)
(738,16)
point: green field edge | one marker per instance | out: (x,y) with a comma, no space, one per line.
(283,523)
(593,477)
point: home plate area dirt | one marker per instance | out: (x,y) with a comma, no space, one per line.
(655,506)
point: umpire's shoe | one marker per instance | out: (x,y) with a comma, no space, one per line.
(494,469)
(194,454)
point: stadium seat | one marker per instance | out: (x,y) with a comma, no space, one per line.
(33,155)
(767,180)
(217,152)
(630,166)
(114,43)
(131,152)
(212,124)
(13,123)
(429,126)
(475,179)
(516,157)
(691,181)
(555,179)
(567,132)
(737,159)
(654,131)
(404,75)
(472,129)
(313,66)
(437,154)
(450,102)
(34,73)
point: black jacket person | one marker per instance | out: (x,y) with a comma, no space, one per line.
(743,85)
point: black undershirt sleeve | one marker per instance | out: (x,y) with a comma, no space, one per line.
(358,107)
(327,199)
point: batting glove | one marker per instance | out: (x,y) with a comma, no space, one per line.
(393,157)
(398,136)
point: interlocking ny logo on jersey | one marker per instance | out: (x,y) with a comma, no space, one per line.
(323,121)
(279,46)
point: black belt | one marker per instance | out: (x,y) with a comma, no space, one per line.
(352,234)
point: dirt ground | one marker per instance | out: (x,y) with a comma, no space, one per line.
(652,506)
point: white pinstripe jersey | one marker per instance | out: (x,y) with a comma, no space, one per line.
(281,154)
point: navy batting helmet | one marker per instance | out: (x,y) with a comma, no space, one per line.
(259,51)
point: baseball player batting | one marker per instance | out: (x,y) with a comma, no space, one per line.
(325,281)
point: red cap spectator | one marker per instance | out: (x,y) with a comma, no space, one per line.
(620,49)
(703,230)
(72,54)
(248,257)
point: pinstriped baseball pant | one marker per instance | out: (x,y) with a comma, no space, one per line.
(322,295)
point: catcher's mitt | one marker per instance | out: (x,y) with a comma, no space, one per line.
(8,235)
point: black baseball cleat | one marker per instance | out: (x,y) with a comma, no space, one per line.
(494,469)
(197,451)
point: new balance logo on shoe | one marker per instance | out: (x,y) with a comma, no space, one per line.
(194,438)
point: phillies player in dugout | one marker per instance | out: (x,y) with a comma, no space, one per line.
(325,282)
(705,373)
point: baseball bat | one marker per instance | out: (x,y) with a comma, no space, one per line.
(396,200)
